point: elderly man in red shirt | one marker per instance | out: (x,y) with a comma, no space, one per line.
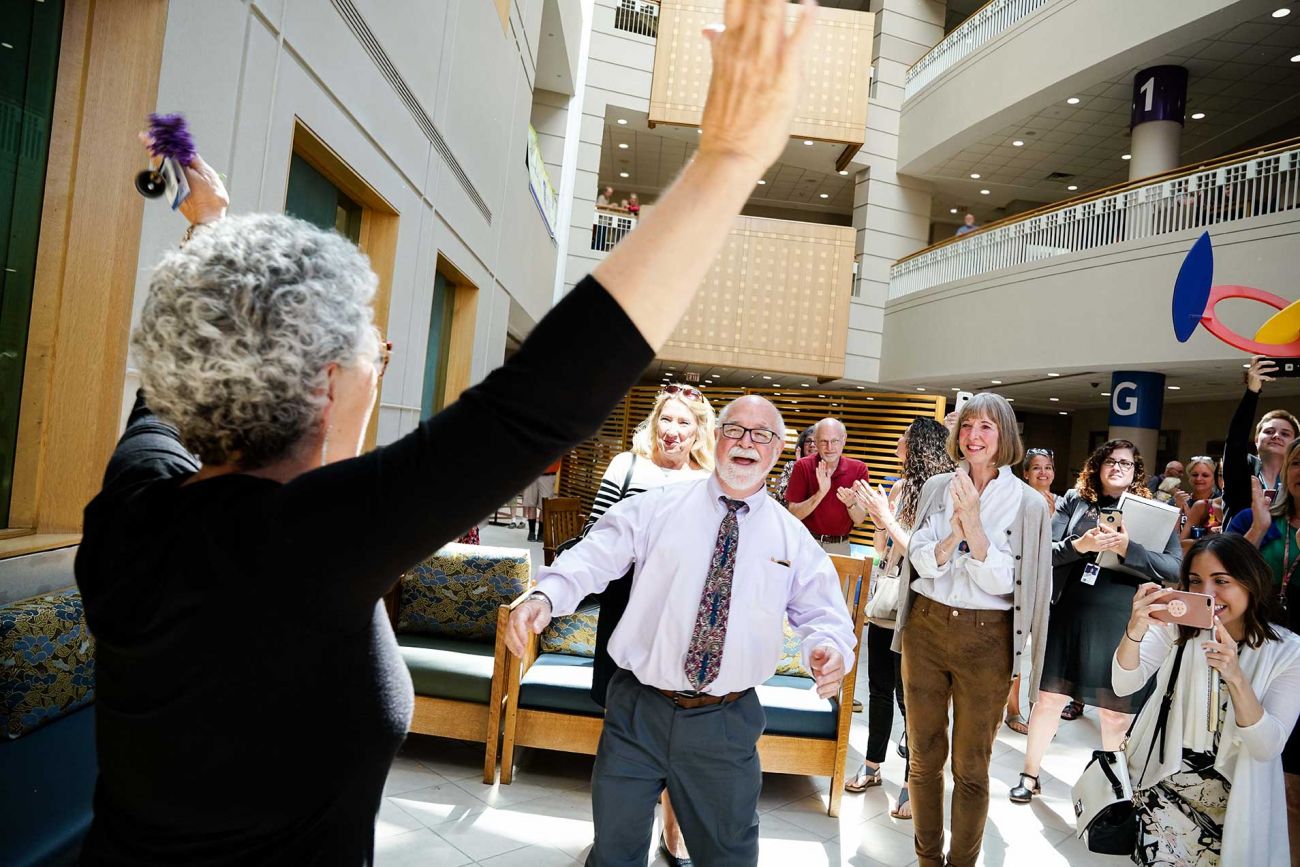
(821,489)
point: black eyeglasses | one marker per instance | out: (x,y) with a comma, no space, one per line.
(760,435)
(689,392)
(1123,465)
(1047,453)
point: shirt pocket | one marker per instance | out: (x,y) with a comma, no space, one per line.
(771,592)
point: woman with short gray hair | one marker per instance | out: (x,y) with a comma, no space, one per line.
(250,694)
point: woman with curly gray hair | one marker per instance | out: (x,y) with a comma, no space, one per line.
(250,693)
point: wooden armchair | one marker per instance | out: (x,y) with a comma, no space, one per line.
(561,521)
(806,735)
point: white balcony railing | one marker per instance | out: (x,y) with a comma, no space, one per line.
(638,16)
(608,227)
(990,21)
(1237,188)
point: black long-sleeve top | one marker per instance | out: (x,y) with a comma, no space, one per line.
(1239,465)
(250,692)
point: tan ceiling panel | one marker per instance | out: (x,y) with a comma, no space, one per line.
(834,103)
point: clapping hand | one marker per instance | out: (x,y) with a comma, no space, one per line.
(1182,498)
(1260,510)
(823,478)
(965,499)
(847,497)
(827,670)
(874,500)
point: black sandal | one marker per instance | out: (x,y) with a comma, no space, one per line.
(1023,794)
(1073,710)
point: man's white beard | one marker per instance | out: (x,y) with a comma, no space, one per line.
(742,478)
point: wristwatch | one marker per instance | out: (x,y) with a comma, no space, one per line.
(537,594)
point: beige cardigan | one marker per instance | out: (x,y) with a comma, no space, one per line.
(1031,544)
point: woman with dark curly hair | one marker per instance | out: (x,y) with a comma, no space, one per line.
(1092,605)
(803,447)
(923,452)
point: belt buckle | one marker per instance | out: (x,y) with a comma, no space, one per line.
(688,693)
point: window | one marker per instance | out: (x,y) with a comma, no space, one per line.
(29,59)
(313,197)
(438,347)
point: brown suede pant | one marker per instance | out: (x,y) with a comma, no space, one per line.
(960,656)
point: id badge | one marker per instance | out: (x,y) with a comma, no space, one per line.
(1090,573)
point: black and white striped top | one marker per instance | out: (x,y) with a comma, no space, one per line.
(646,474)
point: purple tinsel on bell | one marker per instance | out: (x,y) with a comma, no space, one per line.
(171,138)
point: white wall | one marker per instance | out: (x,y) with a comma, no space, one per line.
(268,62)
(1110,304)
(1046,57)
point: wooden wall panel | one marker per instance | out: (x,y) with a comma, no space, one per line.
(833,106)
(777,298)
(874,423)
(109,63)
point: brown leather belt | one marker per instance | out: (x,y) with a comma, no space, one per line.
(833,540)
(690,700)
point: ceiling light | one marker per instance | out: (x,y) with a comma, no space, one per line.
(808,142)
(1072,187)
(1062,412)
(825,195)
(996,381)
(624,175)
(1074,100)
(1281,13)
(871,398)
(1200,115)
(984,192)
(1247,366)
(861,387)
(952,210)
(1017,144)
(804,384)
(918,388)
(1053,374)
(821,395)
(623,146)
(1011,400)
(1107,393)
(844,171)
(622,122)
(699,132)
(1295,58)
(1127,157)
(955,389)
(1175,388)
(1054,399)
(765,376)
(974,176)
(762,183)
(776,385)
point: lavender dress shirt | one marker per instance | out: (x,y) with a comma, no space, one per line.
(670,534)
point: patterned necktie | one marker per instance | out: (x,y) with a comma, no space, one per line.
(704,656)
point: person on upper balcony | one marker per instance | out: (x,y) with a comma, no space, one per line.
(820,492)
(967,226)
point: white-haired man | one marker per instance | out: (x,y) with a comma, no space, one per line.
(718,564)
(820,492)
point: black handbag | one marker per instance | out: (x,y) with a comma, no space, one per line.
(1113,829)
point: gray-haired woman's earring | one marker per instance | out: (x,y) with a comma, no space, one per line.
(324,446)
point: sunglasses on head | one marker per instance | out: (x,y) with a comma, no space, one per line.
(1047,453)
(686,391)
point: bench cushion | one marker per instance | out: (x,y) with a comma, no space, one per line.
(574,634)
(47,791)
(793,708)
(47,662)
(559,682)
(455,592)
(448,668)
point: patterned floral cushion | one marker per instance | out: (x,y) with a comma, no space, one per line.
(47,662)
(791,659)
(574,635)
(455,592)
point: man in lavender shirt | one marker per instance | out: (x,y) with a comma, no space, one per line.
(718,565)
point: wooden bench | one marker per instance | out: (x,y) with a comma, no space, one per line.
(548,705)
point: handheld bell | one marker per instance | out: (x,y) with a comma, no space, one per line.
(150,184)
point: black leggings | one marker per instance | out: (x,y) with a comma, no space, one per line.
(884,687)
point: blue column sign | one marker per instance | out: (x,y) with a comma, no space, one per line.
(1159,93)
(1137,399)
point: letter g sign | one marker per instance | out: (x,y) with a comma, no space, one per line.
(1124,401)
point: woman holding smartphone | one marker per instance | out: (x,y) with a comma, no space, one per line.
(1092,603)
(1212,791)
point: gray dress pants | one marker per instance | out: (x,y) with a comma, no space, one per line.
(707,757)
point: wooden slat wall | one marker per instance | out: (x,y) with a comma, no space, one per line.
(874,423)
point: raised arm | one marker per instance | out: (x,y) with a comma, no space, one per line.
(1236,448)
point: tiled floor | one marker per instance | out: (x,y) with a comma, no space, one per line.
(437,810)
